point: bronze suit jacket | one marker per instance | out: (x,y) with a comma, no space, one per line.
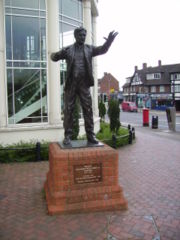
(90,51)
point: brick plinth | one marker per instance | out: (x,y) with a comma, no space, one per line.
(83,180)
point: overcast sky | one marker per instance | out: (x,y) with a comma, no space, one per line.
(149,30)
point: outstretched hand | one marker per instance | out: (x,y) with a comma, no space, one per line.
(111,36)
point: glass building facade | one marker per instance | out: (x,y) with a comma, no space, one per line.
(31,84)
(26,61)
(26,55)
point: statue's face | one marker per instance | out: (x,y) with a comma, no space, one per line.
(80,37)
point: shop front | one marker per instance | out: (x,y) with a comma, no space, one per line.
(161,101)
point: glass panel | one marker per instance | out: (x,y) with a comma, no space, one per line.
(66,35)
(42,13)
(43,39)
(27,64)
(80,10)
(71,21)
(44,93)
(42,4)
(33,118)
(43,64)
(26,38)
(29,96)
(8,10)
(44,83)
(25,12)
(70,8)
(25,3)
(9,64)
(26,88)
(7,2)
(10,92)
(8,38)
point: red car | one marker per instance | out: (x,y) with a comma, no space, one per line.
(129,107)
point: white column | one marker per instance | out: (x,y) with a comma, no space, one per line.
(87,20)
(3,109)
(53,67)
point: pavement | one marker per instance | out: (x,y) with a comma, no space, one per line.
(149,172)
(153,111)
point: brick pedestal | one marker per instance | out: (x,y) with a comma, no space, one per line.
(82,180)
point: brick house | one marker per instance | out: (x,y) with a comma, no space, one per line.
(108,85)
(154,87)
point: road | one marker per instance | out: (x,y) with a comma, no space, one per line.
(136,119)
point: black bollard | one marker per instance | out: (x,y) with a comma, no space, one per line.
(38,151)
(130,136)
(114,141)
(133,133)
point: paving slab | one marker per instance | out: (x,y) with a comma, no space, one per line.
(149,172)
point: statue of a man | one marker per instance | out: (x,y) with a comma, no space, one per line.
(79,80)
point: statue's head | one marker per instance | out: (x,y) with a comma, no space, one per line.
(80,35)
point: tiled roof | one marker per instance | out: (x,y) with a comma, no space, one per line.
(165,71)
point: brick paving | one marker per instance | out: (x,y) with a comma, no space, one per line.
(149,172)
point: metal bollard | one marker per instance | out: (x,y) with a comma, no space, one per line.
(130,136)
(38,151)
(133,133)
(113,141)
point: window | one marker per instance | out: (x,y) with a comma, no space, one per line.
(177,88)
(136,80)
(26,61)
(146,89)
(175,76)
(161,88)
(152,76)
(70,17)
(153,89)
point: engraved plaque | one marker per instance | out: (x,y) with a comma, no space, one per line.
(88,173)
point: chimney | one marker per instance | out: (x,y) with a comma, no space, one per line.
(159,63)
(144,65)
(136,68)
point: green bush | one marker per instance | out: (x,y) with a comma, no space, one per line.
(22,152)
(102,110)
(113,113)
(105,135)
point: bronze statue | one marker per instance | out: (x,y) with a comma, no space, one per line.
(79,80)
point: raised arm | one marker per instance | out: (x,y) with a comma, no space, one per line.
(104,48)
(111,37)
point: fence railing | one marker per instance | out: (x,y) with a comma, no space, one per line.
(36,150)
(115,138)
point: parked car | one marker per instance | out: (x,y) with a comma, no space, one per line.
(129,107)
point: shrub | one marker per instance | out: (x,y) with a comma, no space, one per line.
(113,113)
(102,110)
(105,135)
(22,152)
